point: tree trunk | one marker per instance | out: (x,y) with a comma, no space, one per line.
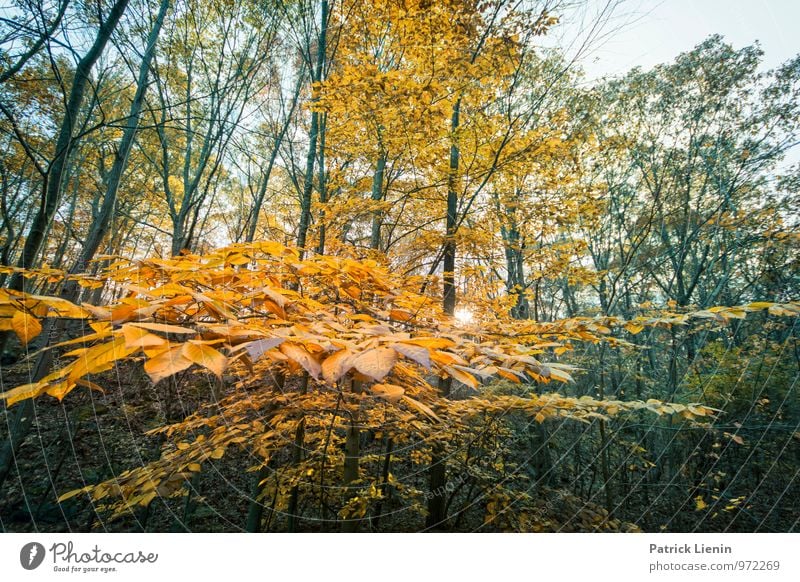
(102,222)
(449,255)
(351,473)
(51,191)
(313,136)
(377,196)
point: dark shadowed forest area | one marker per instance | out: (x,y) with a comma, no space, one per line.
(392,266)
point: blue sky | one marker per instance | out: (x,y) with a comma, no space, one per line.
(655,31)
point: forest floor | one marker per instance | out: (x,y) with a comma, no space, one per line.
(91,437)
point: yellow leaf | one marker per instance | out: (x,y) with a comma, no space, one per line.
(23,392)
(633,328)
(696,409)
(62,307)
(700,504)
(431,342)
(463,377)
(163,327)
(376,363)
(419,354)
(167,363)
(337,365)
(416,404)
(60,389)
(206,356)
(447,358)
(100,358)
(140,337)
(73,493)
(401,315)
(237,259)
(390,392)
(258,348)
(300,355)
(25,326)
(735,313)
(101,327)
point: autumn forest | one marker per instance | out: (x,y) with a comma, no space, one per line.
(391,266)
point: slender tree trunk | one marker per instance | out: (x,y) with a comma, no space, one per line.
(351,472)
(385,491)
(102,222)
(313,136)
(51,191)
(323,190)
(437,472)
(297,457)
(377,196)
(449,255)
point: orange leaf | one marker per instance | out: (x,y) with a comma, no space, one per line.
(447,358)
(91,385)
(401,315)
(390,392)
(163,327)
(25,326)
(23,392)
(122,313)
(300,355)
(508,375)
(419,354)
(206,356)
(430,342)
(100,358)
(139,337)
(419,406)
(375,363)
(463,377)
(167,363)
(98,312)
(337,365)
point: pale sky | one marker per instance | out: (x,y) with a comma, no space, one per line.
(655,31)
